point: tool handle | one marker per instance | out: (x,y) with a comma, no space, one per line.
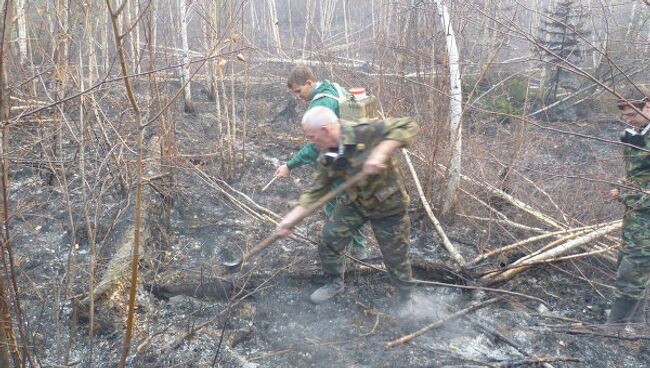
(356,178)
(260,246)
(311,209)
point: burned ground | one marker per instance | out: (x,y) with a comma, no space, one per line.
(261,316)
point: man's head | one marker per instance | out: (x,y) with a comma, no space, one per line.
(321,127)
(301,81)
(637,97)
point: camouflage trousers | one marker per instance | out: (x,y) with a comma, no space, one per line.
(392,233)
(359,238)
(634,255)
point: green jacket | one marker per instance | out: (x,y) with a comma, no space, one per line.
(308,154)
(383,193)
(637,176)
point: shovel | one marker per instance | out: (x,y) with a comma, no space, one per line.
(311,209)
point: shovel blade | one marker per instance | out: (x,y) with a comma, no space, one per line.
(232,264)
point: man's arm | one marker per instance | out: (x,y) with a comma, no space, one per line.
(396,133)
(287,223)
(308,154)
(376,161)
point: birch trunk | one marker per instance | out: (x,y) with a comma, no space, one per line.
(185,68)
(308,22)
(212,25)
(632,27)
(524,264)
(21,27)
(82,172)
(136,36)
(456,108)
(103,39)
(275,24)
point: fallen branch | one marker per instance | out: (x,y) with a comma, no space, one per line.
(445,241)
(551,253)
(537,238)
(440,322)
(557,259)
(486,328)
(619,336)
(515,202)
(532,361)
(507,222)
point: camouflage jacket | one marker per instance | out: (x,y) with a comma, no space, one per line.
(636,190)
(384,192)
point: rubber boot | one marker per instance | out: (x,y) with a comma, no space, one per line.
(623,310)
(326,292)
(639,313)
(404,294)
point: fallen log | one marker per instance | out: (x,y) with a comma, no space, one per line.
(111,293)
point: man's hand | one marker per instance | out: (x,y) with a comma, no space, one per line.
(375,164)
(376,161)
(283,171)
(284,229)
(612,194)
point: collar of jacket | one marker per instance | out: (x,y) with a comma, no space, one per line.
(318,88)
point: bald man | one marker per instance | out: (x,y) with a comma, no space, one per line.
(347,148)
(303,83)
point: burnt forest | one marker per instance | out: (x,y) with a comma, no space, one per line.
(140,143)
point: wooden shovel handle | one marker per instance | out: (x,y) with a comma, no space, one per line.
(310,210)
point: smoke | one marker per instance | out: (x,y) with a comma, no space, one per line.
(429,307)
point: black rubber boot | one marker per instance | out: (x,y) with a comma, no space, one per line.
(623,310)
(326,292)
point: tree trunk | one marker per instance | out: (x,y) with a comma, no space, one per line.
(308,25)
(456,108)
(7,335)
(211,29)
(274,22)
(185,68)
(21,27)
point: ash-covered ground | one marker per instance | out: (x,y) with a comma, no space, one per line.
(266,319)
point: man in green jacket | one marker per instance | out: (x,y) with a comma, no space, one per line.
(380,198)
(634,193)
(303,83)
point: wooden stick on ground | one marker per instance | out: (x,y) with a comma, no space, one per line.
(445,241)
(440,322)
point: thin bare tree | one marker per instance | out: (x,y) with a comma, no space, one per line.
(185,47)
(455,106)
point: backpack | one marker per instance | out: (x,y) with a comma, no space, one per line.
(351,107)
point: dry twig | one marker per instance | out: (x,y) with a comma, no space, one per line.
(440,322)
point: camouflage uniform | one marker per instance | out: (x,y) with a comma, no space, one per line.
(308,154)
(380,199)
(634,255)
